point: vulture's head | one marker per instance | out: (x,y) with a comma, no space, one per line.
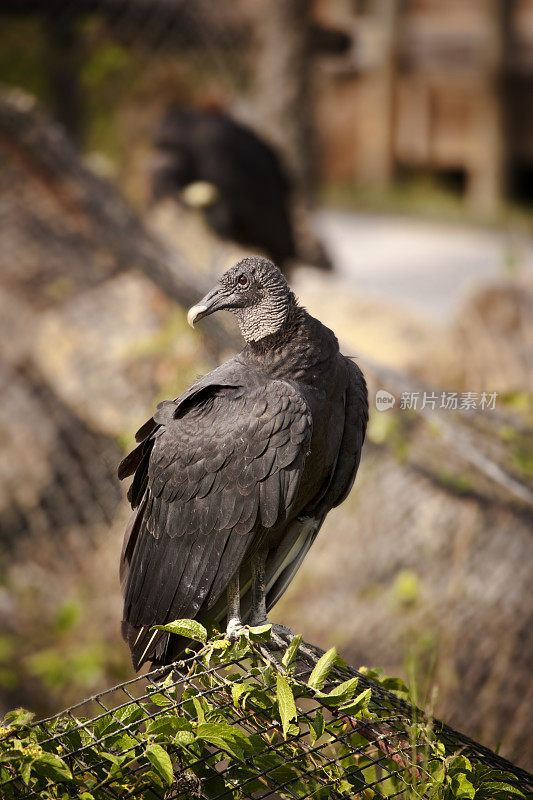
(256,292)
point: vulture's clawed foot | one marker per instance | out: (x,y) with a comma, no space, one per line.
(235,629)
(280,636)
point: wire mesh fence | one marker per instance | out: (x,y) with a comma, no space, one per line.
(242,722)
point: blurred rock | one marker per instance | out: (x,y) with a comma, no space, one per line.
(88,346)
(493,337)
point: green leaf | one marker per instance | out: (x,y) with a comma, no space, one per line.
(200,713)
(112,757)
(278,770)
(116,770)
(220,644)
(19,716)
(291,651)
(25,772)
(287,706)
(130,713)
(168,725)
(219,729)
(154,779)
(184,627)
(158,698)
(293,729)
(346,688)
(322,669)
(461,787)
(124,741)
(51,766)
(353,707)
(260,632)
(437,769)
(339,694)
(224,736)
(238,689)
(394,685)
(160,761)
(493,789)
(317,725)
(184,737)
(460,763)
(106,724)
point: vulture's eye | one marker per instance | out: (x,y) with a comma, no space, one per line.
(242,280)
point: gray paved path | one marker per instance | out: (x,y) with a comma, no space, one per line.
(423,265)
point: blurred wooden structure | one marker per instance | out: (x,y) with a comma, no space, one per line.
(433,85)
(430,85)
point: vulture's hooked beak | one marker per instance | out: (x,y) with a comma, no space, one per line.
(213,301)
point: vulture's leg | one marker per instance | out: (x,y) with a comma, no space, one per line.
(258,615)
(279,633)
(234,626)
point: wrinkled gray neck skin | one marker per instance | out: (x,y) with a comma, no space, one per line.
(269,314)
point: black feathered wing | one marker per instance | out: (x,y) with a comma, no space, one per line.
(219,467)
(301,534)
(284,561)
(353,437)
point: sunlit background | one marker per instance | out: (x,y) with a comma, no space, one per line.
(405,130)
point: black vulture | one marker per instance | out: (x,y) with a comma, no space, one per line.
(233,479)
(251,202)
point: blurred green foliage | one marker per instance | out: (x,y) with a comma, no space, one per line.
(461,483)
(60,657)
(521,402)
(520,438)
(393,429)
(104,64)
(22,54)
(407,587)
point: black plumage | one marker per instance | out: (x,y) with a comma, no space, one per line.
(251,205)
(233,479)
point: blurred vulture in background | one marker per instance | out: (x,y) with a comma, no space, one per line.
(241,183)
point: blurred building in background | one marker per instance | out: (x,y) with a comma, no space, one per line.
(360,99)
(437,86)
